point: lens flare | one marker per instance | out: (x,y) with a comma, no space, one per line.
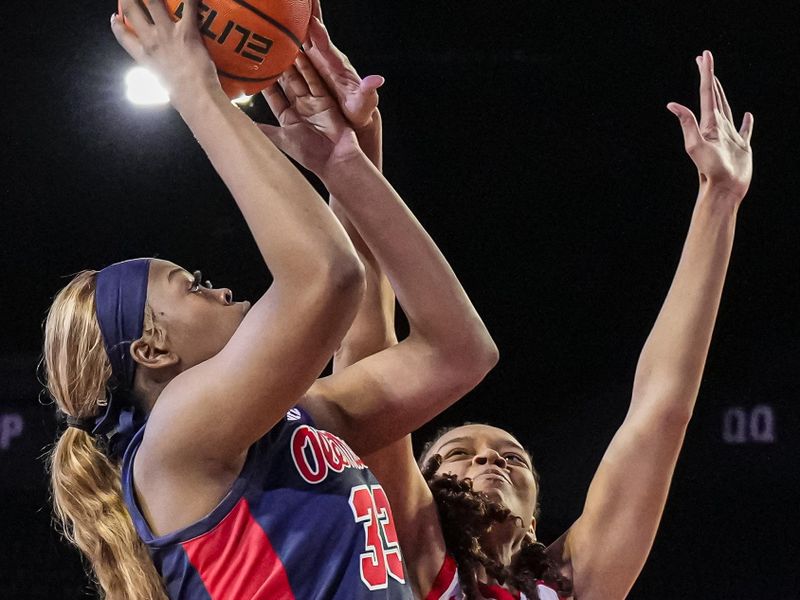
(144,89)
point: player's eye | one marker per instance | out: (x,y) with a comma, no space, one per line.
(456,453)
(197,282)
(515,459)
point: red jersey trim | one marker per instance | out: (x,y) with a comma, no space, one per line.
(446,587)
(446,581)
(236,560)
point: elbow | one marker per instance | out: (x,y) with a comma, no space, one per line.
(481,352)
(488,354)
(677,418)
(668,412)
(344,278)
(472,359)
(669,395)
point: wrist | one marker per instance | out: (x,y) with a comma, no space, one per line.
(342,167)
(720,199)
(194,99)
(371,128)
(725,188)
(370,138)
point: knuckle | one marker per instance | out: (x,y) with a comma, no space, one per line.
(692,145)
(151,45)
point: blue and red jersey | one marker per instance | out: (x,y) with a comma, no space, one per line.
(304,520)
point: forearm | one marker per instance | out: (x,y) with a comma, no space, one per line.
(373,327)
(672,361)
(293,229)
(437,308)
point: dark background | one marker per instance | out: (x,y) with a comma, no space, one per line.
(533,142)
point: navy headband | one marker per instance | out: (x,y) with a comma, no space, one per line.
(120,299)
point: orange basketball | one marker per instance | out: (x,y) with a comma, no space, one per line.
(250,41)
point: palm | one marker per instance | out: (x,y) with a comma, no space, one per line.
(722,154)
(357,98)
(316,116)
(356,103)
(725,154)
(312,129)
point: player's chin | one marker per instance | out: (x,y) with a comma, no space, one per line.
(239,311)
(495,489)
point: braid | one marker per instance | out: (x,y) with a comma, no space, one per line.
(533,564)
(466,516)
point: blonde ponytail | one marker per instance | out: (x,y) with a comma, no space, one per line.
(86,487)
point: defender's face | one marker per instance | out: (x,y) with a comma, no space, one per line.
(496,463)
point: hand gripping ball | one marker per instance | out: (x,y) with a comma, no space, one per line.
(251,42)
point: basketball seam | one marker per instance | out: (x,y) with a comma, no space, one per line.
(272,21)
(243,78)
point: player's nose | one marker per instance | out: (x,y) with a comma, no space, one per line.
(223,295)
(491,457)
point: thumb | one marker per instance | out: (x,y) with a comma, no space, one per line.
(691,131)
(372,82)
(746,130)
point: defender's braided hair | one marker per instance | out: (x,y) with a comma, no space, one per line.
(466,516)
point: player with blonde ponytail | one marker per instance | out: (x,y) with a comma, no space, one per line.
(201,456)
(85,483)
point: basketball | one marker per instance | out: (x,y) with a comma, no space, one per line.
(250,41)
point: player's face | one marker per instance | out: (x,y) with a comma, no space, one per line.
(198,320)
(496,463)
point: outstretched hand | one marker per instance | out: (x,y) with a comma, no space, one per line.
(723,155)
(358,98)
(174,51)
(313,131)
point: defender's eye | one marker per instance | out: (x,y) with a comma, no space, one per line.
(457,452)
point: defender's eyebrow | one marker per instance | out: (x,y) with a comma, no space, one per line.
(469,439)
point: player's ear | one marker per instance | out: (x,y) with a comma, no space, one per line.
(152,355)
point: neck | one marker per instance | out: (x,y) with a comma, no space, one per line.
(501,543)
(147,390)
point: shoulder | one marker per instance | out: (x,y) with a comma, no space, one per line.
(173,494)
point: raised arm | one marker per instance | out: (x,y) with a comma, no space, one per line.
(373,327)
(607,546)
(373,330)
(384,396)
(211,413)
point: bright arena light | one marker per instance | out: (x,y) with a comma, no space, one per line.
(243,100)
(144,89)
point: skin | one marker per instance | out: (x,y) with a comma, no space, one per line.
(605,549)
(200,319)
(222,375)
(448,349)
(205,380)
(498,465)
